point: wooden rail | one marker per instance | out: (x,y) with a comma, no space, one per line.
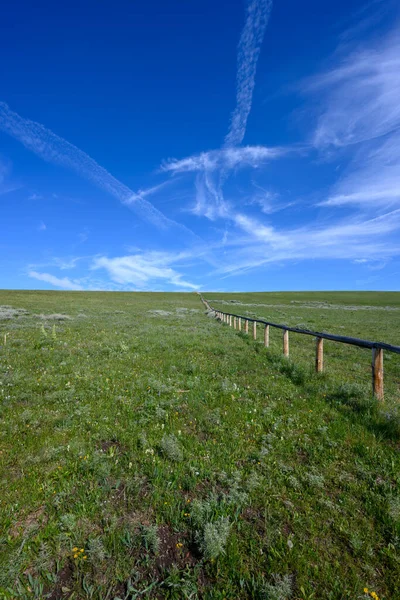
(376,347)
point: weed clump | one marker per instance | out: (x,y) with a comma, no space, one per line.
(150,538)
(96,550)
(171,448)
(55,317)
(8,312)
(213,539)
(280,589)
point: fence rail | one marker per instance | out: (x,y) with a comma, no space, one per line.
(376,347)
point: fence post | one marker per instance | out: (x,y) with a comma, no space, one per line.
(319,357)
(234,322)
(246,326)
(240,324)
(266,336)
(230,320)
(254,330)
(377,373)
(286,342)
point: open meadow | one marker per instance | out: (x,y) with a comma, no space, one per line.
(149,451)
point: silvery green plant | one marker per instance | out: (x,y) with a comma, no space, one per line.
(280,589)
(142,440)
(253,481)
(203,511)
(171,448)
(214,537)
(236,495)
(96,550)
(150,538)
(161,414)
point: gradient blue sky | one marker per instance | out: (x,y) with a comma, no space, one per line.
(183,145)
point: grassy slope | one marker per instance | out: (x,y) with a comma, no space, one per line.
(275,479)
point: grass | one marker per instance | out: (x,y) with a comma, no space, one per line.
(369,315)
(147,451)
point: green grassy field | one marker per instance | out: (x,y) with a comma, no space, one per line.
(148,451)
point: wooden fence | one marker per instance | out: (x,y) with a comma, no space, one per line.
(242,323)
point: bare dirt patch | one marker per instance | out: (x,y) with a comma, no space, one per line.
(64,584)
(32,521)
(175,549)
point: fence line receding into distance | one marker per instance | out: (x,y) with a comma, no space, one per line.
(376,347)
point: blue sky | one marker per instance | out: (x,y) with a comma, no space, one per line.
(200,145)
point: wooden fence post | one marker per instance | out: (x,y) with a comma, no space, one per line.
(240,324)
(266,336)
(234,322)
(286,342)
(377,373)
(230,320)
(254,330)
(319,357)
(246,326)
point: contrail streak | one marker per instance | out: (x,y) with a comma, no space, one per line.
(258,12)
(54,149)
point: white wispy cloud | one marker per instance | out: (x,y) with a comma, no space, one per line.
(360,112)
(42,226)
(348,239)
(261,232)
(225,158)
(60,282)
(141,194)
(4,169)
(211,169)
(55,149)
(361,96)
(257,15)
(209,200)
(62,263)
(5,185)
(144,270)
(372,179)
